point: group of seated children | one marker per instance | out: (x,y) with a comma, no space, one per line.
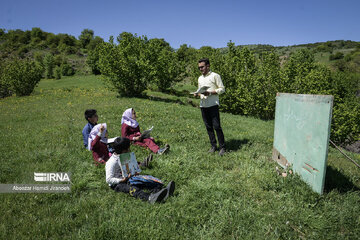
(95,139)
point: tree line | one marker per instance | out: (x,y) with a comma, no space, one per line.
(135,63)
(132,64)
(28,56)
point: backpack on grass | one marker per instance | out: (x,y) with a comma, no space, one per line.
(145,181)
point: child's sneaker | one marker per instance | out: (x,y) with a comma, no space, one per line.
(170,190)
(157,197)
(164,149)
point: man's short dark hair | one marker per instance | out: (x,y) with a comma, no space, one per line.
(89,113)
(205,60)
(120,144)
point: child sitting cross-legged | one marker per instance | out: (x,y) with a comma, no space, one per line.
(120,183)
(130,129)
(97,143)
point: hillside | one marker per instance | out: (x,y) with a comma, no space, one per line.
(238,196)
(135,64)
(67,49)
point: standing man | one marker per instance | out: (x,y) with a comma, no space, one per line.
(209,104)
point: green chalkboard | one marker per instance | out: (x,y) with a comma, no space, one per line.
(301,135)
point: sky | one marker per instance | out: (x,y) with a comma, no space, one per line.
(195,23)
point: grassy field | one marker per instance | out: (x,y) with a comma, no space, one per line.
(238,196)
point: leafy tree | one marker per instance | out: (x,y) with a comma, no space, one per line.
(5,85)
(57,72)
(67,69)
(2,33)
(93,57)
(37,33)
(49,65)
(186,54)
(124,65)
(86,37)
(52,40)
(299,65)
(237,72)
(336,56)
(67,39)
(22,50)
(19,76)
(187,57)
(164,67)
(94,43)
(59,59)
(38,57)
(267,83)
(67,44)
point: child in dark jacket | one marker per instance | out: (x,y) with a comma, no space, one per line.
(92,118)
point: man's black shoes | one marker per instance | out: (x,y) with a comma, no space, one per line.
(222,152)
(170,190)
(158,197)
(212,150)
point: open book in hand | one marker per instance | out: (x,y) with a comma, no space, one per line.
(128,164)
(201,90)
(146,134)
(111,140)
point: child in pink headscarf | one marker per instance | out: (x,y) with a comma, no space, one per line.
(130,129)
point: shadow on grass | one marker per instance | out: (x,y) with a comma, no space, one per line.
(336,180)
(235,144)
(154,98)
(167,100)
(177,93)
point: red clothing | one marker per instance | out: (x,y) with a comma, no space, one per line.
(130,133)
(99,150)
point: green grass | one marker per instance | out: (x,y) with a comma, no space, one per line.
(238,196)
(323,57)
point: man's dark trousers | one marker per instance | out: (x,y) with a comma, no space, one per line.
(211,119)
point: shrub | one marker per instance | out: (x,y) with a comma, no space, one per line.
(38,56)
(22,51)
(94,43)
(346,111)
(238,77)
(66,49)
(164,67)
(345,126)
(67,69)
(49,64)
(19,76)
(336,56)
(92,59)
(124,65)
(135,63)
(57,72)
(5,86)
(87,35)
